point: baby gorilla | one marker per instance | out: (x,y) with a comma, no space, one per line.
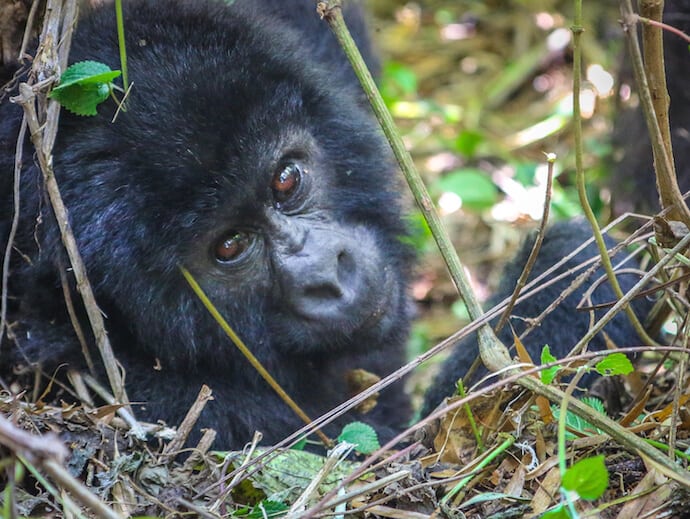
(246,155)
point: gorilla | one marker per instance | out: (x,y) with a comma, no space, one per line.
(247,155)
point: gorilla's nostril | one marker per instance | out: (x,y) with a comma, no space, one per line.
(325,291)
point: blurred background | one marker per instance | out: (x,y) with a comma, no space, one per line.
(481,91)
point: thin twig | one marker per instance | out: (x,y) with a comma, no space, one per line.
(532,258)
(664,26)
(190,419)
(13,228)
(577,31)
(28,29)
(27,99)
(135,428)
(669,192)
(493,352)
(74,319)
(256,364)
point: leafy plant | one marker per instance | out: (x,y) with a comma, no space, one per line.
(588,477)
(548,374)
(85,85)
(265,508)
(576,423)
(614,364)
(362,435)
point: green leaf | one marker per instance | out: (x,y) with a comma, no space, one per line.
(594,403)
(473,186)
(83,86)
(578,424)
(419,235)
(547,375)
(525,173)
(588,477)
(362,435)
(614,364)
(468,141)
(266,508)
(300,445)
(285,476)
(559,512)
(87,73)
(398,81)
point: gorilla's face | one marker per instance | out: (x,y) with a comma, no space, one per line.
(251,168)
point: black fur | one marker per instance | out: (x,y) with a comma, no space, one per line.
(222,97)
(564,326)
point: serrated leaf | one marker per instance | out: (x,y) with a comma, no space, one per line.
(614,364)
(362,435)
(588,477)
(85,73)
(547,375)
(594,403)
(579,424)
(83,86)
(80,100)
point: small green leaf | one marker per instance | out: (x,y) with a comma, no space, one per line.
(588,477)
(300,445)
(468,141)
(614,364)
(559,512)
(576,423)
(362,435)
(83,86)
(419,235)
(85,73)
(266,508)
(547,375)
(398,81)
(473,186)
(594,403)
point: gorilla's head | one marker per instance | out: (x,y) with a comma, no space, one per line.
(259,171)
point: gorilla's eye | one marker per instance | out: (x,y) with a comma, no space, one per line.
(231,246)
(286,181)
